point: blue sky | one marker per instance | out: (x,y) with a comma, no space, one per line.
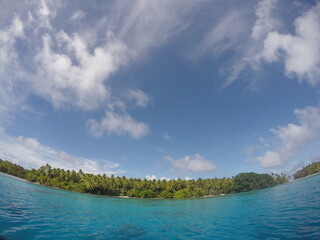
(160,89)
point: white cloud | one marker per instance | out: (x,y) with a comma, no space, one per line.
(300,52)
(70,65)
(81,84)
(166,136)
(165,178)
(293,137)
(141,98)
(30,153)
(151,177)
(43,9)
(154,177)
(270,159)
(78,15)
(265,21)
(195,163)
(73,69)
(10,91)
(8,39)
(118,124)
(46,10)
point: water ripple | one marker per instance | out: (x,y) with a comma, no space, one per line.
(290,211)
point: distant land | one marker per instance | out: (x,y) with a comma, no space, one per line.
(308,170)
(143,188)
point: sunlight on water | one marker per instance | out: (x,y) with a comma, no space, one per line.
(29,211)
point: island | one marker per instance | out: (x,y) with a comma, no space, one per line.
(310,169)
(141,188)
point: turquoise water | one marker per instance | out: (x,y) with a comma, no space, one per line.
(29,211)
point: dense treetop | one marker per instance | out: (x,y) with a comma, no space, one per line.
(310,169)
(143,188)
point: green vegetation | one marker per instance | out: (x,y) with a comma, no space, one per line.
(244,182)
(141,188)
(308,170)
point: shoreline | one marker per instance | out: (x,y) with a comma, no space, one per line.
(306,176)
(127,197)
(110,196)
(102,185)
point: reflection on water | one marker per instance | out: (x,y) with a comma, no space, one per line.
(290,211)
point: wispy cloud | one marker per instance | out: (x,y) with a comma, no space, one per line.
(239,36)
(30,153)
(166,136)
(78,15)
(226,33)
(249,53)
(141,98)
(10,69)
(195,163)
(148,24)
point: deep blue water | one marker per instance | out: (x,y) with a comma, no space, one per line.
(289,211)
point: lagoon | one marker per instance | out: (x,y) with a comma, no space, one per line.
(288,211)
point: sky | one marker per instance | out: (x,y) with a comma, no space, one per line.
(160,89)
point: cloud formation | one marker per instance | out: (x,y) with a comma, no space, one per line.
(267,41)
(300,52)
(166,136)
(151,177)
(73,68)
(119,124)
(70,65)
(293,138)
(78,15)
(141,99)
(30,153)
(75,63)
(148,24)
(9,68)
(76,77)
(249,51)
(265,21)
(195,163)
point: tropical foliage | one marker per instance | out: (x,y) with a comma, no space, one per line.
(308,170)
(244,182)
(142,188)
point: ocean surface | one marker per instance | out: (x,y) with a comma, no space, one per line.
(289,211)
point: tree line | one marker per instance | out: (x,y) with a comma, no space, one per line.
(141,188)
(310,169)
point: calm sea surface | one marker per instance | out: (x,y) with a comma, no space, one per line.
(290,211)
